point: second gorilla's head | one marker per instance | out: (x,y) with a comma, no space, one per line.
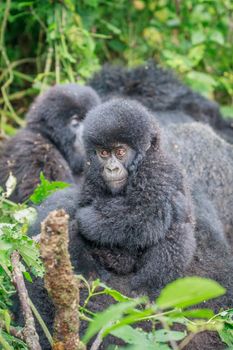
(58,114)
(117,135)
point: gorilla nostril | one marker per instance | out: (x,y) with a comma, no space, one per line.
(112,169)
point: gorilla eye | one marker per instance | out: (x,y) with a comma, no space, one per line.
(103,153)
(74,121)
(120,152)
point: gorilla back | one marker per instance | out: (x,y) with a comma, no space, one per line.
(51,141)
(161,91)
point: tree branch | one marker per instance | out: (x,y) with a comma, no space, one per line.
(29,331)
(60,281)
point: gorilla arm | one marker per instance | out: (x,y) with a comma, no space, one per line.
(163,240)
(62,199)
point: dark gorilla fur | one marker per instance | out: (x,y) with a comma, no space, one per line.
(161,91)
(154,215)
(47,143)
(166,210)
(208,161)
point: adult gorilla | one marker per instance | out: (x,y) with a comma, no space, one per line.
(135,210)
(51,141)
(161,91)
(208,161)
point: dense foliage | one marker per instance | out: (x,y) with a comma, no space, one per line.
(43,42)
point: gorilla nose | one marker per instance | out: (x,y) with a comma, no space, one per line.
(112,169)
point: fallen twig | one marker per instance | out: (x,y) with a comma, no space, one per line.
(30,336)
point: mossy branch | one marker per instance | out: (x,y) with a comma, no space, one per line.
(60,281)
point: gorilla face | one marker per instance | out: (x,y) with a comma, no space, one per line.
(114,162)
(58,116)
(76,127)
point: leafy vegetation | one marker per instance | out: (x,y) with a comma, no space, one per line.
(46,42)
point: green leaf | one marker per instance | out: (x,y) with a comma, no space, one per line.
(198,313)
(226,334)
(110,315)
(27,276)
(189,291)
(30,254)
(133,317)
(45,189)
(227,111)
(202,82)
(114,293)
(198,37)
(28,215)
(7,319)
(111,27)
(196,54)
(217,37)
(163,335)
(134,336)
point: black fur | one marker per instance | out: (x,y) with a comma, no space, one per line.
(154,215)
(160,90)
(153,211)
(47,143)
(208,161)
(211,245)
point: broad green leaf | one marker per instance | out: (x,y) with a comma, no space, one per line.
(198,313)
(133,317)
(226,334)
(110,315)
(189,291)
(217,37)
(45,189)
(134,336)
(227,111)
(139,339)
(196,54)
(27,276)
(198,37)
(114,293)
(163,335)
(202,82)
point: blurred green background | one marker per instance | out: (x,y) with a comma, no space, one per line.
(43,42)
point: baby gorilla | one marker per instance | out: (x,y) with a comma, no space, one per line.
(51,141)
(134,201)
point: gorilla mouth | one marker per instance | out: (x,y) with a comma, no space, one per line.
(117,181)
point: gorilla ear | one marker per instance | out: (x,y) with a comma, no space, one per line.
(154,133)
(155,138)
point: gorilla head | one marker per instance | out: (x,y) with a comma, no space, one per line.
(51,142)
(116,141)
(58,114)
